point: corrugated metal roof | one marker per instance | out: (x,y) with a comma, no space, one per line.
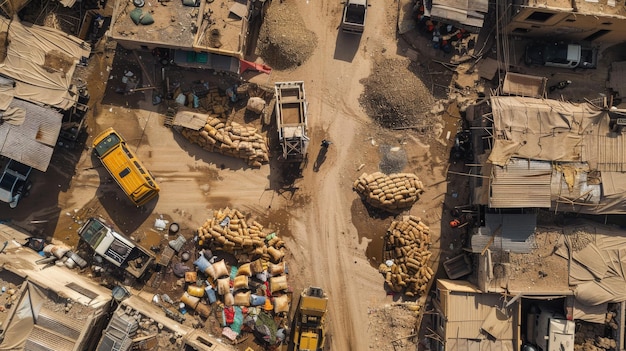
(513,232)
(522,183)
(608,153)
(31,143)
(579,190)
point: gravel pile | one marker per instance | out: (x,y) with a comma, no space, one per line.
(284,41)
(395,95)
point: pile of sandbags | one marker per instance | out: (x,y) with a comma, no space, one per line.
(406,256)
(392,192)
(231,139)
(228,230)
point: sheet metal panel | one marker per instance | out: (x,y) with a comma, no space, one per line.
(31,143)
(522,183)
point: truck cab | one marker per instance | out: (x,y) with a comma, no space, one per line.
(115,248)
(559,54)
(354,15)
(14,182)
(553,332)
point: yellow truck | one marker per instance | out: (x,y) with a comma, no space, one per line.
(310,321)
(128,172)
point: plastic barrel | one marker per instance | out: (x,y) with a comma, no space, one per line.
(257,300)
(210,293)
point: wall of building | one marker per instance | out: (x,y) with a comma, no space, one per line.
(563,24)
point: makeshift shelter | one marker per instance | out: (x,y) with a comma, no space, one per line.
(562,155)
(41,60)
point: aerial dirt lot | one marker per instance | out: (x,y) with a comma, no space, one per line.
(333,240)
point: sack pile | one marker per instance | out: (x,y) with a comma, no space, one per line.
(231,139)
(406,255)
(392,192)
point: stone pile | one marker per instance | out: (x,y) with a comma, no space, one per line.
(393,193)
(406,256)
(231,139)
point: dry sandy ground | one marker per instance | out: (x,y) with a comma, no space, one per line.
(331,236)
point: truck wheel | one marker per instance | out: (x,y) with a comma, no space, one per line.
(26,189)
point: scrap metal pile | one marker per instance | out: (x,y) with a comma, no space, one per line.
(253,291)
(406,256)
(392,192)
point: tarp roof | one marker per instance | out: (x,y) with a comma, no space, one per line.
(556,151)
(42,61)
(552,130)
(597,262)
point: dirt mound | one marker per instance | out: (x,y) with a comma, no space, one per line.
(394,94)
(284,41)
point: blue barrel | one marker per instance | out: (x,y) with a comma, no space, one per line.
(210,293)
(257,300)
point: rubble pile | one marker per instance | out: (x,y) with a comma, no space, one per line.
(231,139)
(406,255)
(392,192)
(252,293)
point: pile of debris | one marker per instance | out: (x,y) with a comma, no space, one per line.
(392,192)
(406,256)
(231,139)
(253,291)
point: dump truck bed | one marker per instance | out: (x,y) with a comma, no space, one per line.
(291,119)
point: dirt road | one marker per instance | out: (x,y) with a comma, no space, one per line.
(327,248)
(334,242)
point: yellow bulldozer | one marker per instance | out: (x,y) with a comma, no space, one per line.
(310,320)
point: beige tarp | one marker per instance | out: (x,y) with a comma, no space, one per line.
(524,85)
(542,129)
(19,326)
(597,263)
(42,61)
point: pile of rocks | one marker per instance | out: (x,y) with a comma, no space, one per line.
(394,192)
(231,139)
(406,255)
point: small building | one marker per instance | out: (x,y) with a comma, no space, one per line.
(194,33)
(602,21)
(465,318)
(557,155)
(51,308)
(41,62)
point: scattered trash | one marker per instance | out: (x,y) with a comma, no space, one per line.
(160,224)
(177,243)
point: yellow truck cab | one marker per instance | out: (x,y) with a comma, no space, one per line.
(310,321)
(121,162)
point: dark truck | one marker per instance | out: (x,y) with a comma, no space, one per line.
(115,248)
(14,182)
(560,54)
(354,14)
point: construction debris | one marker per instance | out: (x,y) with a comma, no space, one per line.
(406,255)
(231,139)
(392,192)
